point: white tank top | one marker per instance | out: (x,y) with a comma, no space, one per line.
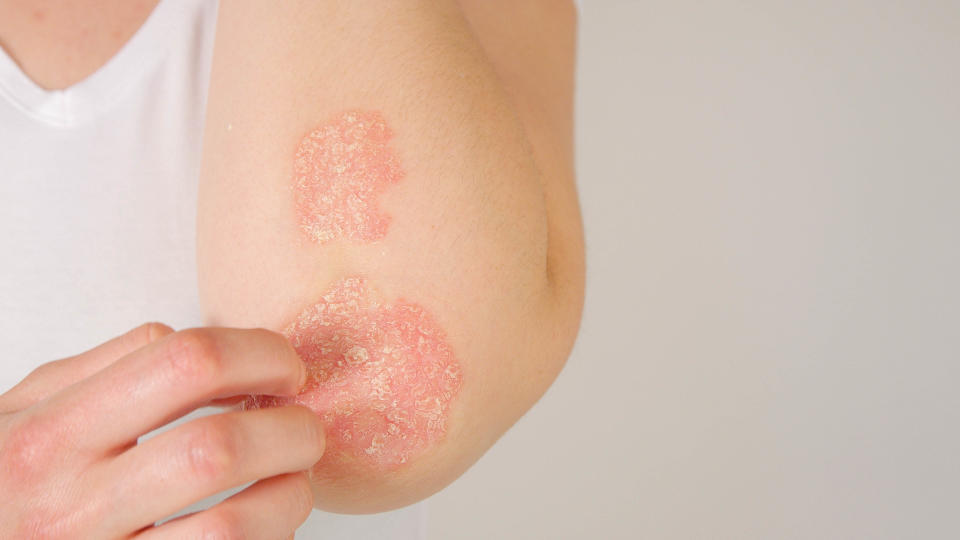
(97,200)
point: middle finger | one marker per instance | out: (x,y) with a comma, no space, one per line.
(206,456)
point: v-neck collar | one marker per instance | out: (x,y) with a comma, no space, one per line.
(83,100)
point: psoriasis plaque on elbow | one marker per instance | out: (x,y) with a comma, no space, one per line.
(340,169)
(382,377)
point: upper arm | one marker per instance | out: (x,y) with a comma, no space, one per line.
(367,176)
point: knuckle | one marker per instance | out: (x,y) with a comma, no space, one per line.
(222,524)
(28,448)
(194,356)
(29,387)
(31,443)
(44,370)
(211,451)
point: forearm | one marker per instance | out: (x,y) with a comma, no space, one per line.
(461,230)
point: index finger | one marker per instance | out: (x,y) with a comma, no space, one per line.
(169,378)
(53,376)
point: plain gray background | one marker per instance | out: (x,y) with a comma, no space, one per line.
(770,343)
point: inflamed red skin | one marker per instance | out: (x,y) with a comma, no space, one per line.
(340,168)
(382,377)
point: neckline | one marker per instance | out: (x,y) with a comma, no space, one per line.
(84,99)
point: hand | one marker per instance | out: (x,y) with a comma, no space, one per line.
(70,465)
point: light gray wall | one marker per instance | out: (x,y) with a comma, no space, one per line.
(770,346)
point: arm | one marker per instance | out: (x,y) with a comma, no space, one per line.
(391,192)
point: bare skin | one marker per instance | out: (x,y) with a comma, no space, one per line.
(68,439)
(58,43)
(424,147)
(68,432)
(484,235)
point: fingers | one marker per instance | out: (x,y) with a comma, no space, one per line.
(209,455)
(172,376)
(51,377)
(106,353)
(271,508)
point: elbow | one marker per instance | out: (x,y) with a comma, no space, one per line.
(503,375)
(497,389)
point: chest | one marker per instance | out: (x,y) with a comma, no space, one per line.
(57,44)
